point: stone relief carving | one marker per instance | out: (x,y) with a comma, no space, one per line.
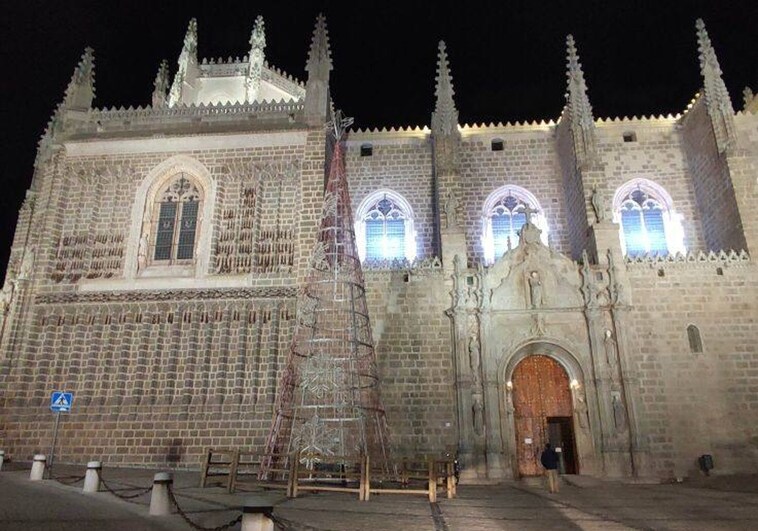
(589,286)
(168,295)
(538,327)
(532,276)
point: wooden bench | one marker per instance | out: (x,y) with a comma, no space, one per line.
(249,464)
(219,463)
(424,476)
(328,473)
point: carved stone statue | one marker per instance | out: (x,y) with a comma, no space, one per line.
(27,263)
(451,211)
(598,205)
(474,359)
(142,252)
(535,289)
(619,411)
(611,350)
(478,409)
(580,410)
(6,296)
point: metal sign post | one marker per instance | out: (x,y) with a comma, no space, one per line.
(60,401)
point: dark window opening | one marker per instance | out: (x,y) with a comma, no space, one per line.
(367,150)
(630,137)
(696,342)
(497,145)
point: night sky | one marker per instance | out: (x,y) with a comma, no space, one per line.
(507,58)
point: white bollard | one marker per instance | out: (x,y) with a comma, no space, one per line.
(2,458)
(160,504)
(255,516)
(38,467)
(92,477)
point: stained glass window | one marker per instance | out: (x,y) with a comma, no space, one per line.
(385,226)
(643,225)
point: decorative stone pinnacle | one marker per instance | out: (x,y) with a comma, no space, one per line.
(161,85)
(716,95)
(81,89)
(319,55)
(747,96)
(187,61)
(190,38)
(580,109)
(707,54)
(256,61)
(258,37)
(445,116)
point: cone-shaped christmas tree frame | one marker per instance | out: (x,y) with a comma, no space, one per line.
(329,401)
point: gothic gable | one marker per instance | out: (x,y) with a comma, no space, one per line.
(533,276)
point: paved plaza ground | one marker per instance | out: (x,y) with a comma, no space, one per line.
(585,504)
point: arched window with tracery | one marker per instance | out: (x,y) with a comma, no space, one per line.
(176,212)
(648,222)
(384,227)
(503,216)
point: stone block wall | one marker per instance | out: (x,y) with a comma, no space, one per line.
(712,184)
(657,154)
(528,160)
(403,165)
(696,403)
(413,349)
(209,368)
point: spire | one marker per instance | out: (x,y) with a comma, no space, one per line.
(318,66)
(445,115)
(187,64)
(319,56)
(257,44)
(160,85)
(81,89)
(578,103)
(716,96)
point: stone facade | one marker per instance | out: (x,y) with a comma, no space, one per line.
(167,358)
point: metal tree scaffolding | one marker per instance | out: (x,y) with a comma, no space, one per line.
(329,402)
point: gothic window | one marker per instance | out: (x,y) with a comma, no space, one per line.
(384,227)
(504,215)
(648,224)
(176,212)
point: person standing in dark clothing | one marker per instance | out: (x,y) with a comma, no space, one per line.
(549,460)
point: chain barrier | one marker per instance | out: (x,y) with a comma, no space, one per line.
(126,497)
(194,525)
(288,525)
(67,480)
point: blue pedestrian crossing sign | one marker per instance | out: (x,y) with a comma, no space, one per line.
(61,401)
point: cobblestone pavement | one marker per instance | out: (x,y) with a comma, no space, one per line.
(717,503)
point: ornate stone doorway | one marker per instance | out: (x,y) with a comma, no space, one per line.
(543,412)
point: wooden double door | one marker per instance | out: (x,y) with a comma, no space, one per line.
(543,412)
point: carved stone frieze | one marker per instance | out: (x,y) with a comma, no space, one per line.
(179,295)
